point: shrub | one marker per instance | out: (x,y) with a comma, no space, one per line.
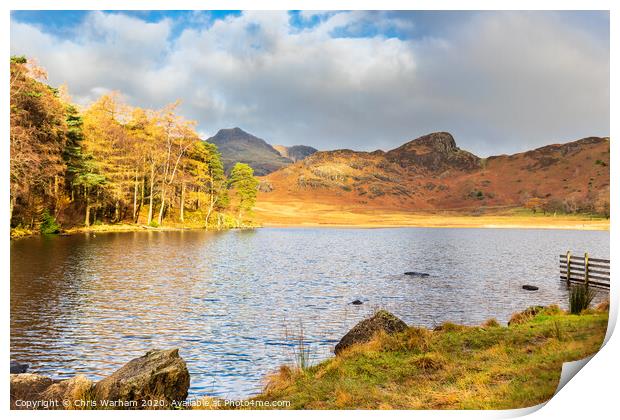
(49,225)
(579,298)
(154,224)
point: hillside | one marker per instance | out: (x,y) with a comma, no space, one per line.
(236,145)
(432,174)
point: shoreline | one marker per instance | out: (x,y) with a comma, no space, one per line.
(432,221)
(317,214)
(351,219)
(537,339)
(579,227)
(119,228)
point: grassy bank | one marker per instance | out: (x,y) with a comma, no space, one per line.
(131,227)
(318,214)
(453,367)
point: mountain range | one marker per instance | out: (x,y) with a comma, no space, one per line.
(236,145)
(432,173)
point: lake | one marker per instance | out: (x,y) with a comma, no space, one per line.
(234,302)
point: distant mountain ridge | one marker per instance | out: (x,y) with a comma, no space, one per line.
(432,173)
(236,145)
(295,153)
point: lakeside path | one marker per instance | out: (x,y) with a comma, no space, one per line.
(303,214)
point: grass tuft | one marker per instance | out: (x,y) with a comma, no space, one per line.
(430,362)
(580,297)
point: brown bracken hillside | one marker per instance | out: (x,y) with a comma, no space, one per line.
(431,173)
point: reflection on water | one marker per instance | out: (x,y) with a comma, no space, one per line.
(230,301)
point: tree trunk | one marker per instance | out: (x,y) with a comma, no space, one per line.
(209,210)
(141,198)
(150,218)
(163,203)
(87,218)
(12,207)
(135,197)
(117,211)
(182,209)
(239,216)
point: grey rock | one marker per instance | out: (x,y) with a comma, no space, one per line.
(17,367)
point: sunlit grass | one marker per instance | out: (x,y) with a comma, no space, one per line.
(452,367)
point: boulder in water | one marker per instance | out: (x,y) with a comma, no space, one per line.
(357,302)
(17,367)
(416,274)
(365,330)
(529,287)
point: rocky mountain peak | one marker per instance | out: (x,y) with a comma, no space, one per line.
(442,142)
(435,152)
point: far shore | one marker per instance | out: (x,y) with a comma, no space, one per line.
(271,214)
(287,216)
(111,228)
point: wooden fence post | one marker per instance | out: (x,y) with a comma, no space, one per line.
(568,268)
(586,265)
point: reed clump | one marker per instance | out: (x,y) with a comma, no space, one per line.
(580,297)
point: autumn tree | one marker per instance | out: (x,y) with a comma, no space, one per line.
(37,140)
(106,160)
(83,174)
(207,171)
(146,152)
(178,136)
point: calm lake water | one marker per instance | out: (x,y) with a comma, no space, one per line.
(233,302)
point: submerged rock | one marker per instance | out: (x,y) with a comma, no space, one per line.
(17,367)
(365,330)
(159,375)
(357,302)
(529,287)
(416,274)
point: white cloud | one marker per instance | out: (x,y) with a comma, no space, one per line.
(500,82)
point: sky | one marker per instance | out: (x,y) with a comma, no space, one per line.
(500,82)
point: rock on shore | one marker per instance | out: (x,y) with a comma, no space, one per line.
(365,330)
(159,375)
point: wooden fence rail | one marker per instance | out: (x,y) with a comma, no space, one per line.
(586,270)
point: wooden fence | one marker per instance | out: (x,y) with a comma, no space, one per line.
(586,270)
